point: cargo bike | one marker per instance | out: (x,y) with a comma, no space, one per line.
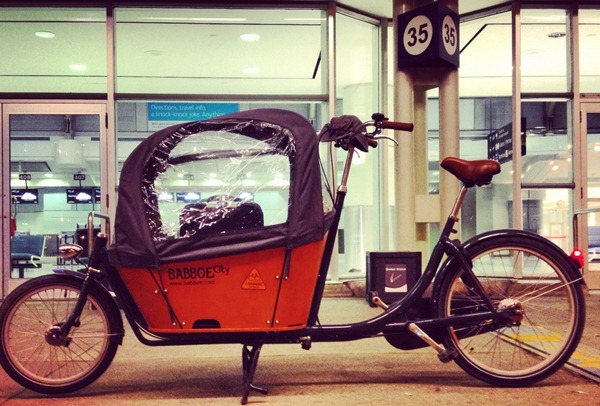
(224,231)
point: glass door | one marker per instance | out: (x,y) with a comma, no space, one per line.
(590,133)
(53,175)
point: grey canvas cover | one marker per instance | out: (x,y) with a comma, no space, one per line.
(216,162)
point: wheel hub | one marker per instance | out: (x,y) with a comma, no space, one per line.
(513,310)
(54,337)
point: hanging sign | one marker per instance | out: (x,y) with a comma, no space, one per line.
(428,37)
(500,144)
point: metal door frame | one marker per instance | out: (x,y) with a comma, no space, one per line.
(586,105)
(107,184)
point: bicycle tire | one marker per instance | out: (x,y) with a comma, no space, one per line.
(515,270)
(31,360)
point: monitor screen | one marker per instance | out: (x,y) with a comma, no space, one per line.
(25,196)
(165,197)
(188,197)
(80,195)
(97,195)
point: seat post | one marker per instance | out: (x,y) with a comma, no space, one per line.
(458,203)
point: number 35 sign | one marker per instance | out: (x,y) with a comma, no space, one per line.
(428,37)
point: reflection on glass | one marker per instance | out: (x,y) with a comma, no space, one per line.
(356,79)
(53,187)
(543,50)
(548,212)
(589,36)
(548,148)
(486,56)
(219,51)
(40,53)
(593,156)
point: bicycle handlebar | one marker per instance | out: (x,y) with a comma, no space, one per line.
(396,125)
(348,131)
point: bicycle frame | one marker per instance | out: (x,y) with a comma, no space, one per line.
(385,322)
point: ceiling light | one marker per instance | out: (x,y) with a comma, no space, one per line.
(304,19)
(251,70)
(154,52)
(556,35)
(78,67)
(200,19)
(45,34)
(250,37)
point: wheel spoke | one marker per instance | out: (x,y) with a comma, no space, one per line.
(541,303)
(55,365)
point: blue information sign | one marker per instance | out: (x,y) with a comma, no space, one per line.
(162,114)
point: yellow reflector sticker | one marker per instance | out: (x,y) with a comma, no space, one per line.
(254,281)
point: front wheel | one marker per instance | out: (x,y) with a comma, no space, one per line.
(36,356)
(535,284)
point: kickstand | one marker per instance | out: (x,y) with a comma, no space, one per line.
(249,363)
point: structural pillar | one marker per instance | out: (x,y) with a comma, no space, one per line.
(415,208)
(404,154)
(449,139)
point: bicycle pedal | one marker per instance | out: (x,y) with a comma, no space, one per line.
(444,355)
(447,355)
(380,303)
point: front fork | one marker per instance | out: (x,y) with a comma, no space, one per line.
(73,318)
(58,334)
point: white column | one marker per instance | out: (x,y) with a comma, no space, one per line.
(449,138)
(404,166)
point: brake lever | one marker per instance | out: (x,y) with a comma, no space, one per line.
(385,137)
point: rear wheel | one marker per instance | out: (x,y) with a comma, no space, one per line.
(545,311)
(32,351)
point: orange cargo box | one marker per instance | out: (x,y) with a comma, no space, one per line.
(241,293)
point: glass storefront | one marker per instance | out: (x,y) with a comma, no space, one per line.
(485,88)
(589,60)
(39,55)
(357,93)
(162,66)
(54,181)
(544,51)
(266,52)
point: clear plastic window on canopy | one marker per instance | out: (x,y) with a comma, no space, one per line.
(219,181)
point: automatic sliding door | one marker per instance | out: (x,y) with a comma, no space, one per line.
(590,131)
(54,180)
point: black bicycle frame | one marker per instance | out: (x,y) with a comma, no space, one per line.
(384,322)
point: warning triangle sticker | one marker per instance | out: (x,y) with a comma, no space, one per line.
(254,281)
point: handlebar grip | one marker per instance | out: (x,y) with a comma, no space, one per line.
(372,143)
(396,125)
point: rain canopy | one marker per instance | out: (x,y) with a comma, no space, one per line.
(237,183)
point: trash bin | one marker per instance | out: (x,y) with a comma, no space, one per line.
(391,275)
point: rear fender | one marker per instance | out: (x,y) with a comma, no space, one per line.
(449,263)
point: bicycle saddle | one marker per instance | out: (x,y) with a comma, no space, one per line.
(472,173)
